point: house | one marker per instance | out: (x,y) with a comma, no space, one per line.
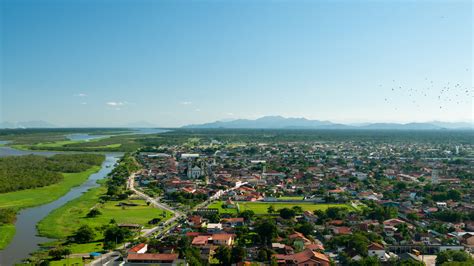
(299,241)
(305,258)
(147,259)
(394,222)
(195,221)
(341,230)
(468,239)
(377,250)
(214,227)
(233,222)
(201,239)
(223,239)
(189,190)
(140,248)
(282,248)
(389,230)
(310,217)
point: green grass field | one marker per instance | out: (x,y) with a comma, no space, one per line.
(39,196)
(291,198)
(65,220)
(96,246)
(7,232)
(56,143)
(63,143)
(260,208)
(67,262)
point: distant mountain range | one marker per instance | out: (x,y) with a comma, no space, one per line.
(279,122)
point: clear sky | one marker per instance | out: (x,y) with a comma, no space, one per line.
(170,63)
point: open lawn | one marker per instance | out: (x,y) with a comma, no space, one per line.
(56,143)
(67,143)
(65,220)
(7,232)
(260,208)
(97,246)
(283,198)
(39,196)
(67,262)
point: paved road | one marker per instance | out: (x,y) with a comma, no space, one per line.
(176,214)
(109,258)
(106,258)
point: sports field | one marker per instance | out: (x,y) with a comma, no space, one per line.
(261,208)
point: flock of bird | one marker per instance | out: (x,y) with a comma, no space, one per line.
(446,93)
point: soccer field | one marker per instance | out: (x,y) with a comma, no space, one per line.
(261,207)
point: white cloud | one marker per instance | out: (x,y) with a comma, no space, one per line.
(186,103)
(197,110)
(116,103)
(230,114)
(83,103)
(80,95)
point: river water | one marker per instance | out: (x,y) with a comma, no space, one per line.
(26,240)
(85,136)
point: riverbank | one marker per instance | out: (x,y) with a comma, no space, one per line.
(38,196)
(26,239)
(7,232)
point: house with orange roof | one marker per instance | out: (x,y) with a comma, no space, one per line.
(140,248)
(377,250)
(306,257)
(149,258)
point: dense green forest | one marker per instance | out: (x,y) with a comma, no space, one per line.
(32,171)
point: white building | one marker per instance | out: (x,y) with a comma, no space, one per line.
(189,155)
(377,250)
(194,172)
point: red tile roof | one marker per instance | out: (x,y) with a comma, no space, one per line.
(375,246)
(152,257)
(303,256)
(137,247)
(222,236)
(200,240)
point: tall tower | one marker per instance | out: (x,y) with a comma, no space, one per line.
(190,167)
(435,176)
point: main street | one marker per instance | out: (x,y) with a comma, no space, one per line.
(163,229)
(110,256)
(176,214)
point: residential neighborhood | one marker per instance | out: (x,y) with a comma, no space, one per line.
(338,203)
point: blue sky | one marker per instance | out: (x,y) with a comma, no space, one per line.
(170,63)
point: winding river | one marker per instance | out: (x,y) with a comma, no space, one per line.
(26,240)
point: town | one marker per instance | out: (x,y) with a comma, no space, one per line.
(306,203)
